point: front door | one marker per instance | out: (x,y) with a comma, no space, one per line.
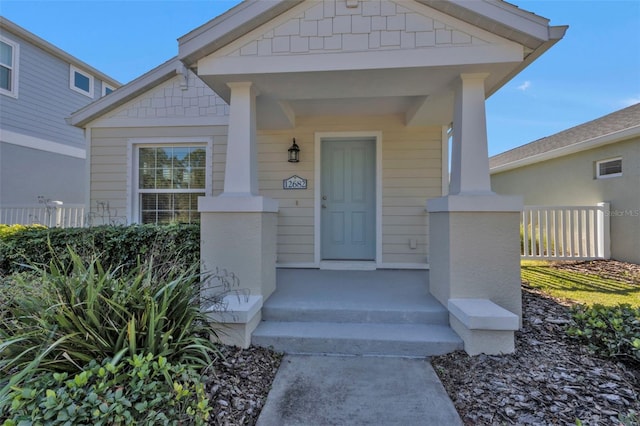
(348,199)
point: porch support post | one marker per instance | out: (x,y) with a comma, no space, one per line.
(238,229)
(475,258)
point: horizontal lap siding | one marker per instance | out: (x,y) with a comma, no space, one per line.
(411,174)
(109,161)
(296,215)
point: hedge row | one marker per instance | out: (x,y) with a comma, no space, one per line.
(114,245)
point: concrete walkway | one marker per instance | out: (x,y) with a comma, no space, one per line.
(354,390)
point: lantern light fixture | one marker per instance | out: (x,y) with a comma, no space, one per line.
(294,152)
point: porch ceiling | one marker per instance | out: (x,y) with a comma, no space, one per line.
(422,95)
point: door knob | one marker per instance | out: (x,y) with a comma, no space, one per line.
(324,197)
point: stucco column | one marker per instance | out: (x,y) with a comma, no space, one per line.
(241,172)
(238,228)
(473,234)
(469,151)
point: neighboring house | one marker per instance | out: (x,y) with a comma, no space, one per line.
(594,162)
(368,90)
(40,86)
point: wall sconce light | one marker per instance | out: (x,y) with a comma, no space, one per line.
(294,152)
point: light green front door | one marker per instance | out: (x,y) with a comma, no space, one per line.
(348,200)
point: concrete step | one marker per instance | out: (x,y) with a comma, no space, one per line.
(409,340)
(427,313)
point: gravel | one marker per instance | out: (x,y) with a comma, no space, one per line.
(549,380)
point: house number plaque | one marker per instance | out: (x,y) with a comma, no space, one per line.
(294,182)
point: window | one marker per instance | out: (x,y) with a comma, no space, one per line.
(8,67)
(106,89)
(609,168)
(170,177)
(81,82)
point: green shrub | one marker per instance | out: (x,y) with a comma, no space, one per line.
(72,313)
(610,331)
(138,389)
(174,245)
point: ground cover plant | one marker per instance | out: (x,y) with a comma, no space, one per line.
(76,334)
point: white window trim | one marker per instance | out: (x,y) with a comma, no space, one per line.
(106,86)
(15,59)
(133,208)
(72,71)
(599,176)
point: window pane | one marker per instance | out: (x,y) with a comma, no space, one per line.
(197,157)
(6,54)
(610,167)
(81,81)
(147,158)
(164,178)
(107,90)
(198,178)
(5,78)
(148,202)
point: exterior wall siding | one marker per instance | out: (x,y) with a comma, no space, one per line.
(44,98)
(110,175)
(28,173)
(571,180)
(411,173)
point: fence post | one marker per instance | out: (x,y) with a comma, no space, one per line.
(604,230)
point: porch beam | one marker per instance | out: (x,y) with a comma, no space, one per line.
(469,152)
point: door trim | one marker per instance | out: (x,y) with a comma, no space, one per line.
(319,136)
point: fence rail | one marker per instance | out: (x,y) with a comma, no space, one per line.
(70,216)
(565,232)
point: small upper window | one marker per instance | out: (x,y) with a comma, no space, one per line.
(106,89)
(8,67)
(81,81)
(609,168)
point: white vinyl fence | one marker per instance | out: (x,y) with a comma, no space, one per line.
(60,216)
(566,232)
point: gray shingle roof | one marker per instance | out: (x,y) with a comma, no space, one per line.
(611,123)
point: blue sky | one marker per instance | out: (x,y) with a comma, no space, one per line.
(593,71)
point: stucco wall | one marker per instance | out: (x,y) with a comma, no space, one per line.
(571,180)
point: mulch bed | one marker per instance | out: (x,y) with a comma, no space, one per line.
(549,380)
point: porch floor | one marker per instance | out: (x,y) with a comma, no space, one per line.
(382,312)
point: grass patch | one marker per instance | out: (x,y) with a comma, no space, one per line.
(579,287)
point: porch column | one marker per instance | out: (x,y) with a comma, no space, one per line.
(238,228)
(475,257)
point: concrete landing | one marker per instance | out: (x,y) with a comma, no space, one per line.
(336,390)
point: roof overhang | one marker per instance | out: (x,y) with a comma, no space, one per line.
(621,135)
(418,85)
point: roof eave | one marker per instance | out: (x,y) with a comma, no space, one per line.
(55,51)
(596,142)
(555,35)
(229,26)
(119,97)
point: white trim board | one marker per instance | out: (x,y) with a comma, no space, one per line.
(132,169)
(13,138)
(318,137)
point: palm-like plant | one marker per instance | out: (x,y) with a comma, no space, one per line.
(62,317)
